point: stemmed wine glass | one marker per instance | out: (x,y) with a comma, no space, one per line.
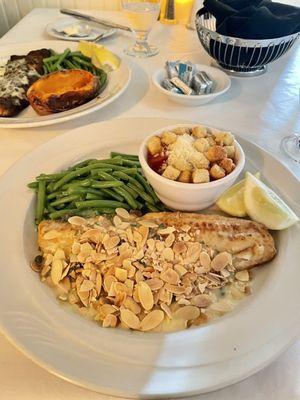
(291,145)
(141,15)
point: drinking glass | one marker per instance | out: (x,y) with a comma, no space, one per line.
(141,15)
(291,145)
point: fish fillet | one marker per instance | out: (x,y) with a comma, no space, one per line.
(249,243)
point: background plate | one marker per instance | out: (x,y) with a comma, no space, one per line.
(134,364)
(117,83)
(61,23)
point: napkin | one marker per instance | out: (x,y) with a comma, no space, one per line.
(253,19)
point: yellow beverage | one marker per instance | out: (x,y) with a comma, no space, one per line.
(141,15)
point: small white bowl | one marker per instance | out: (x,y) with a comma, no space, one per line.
(188,196)
(222,84)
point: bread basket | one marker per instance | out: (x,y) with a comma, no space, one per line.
(240,57)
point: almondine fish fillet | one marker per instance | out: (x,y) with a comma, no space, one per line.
(249,243)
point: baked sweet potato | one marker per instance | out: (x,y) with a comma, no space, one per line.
(62,90)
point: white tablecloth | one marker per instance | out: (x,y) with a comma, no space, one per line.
(261,109)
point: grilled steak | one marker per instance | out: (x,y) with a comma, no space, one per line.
(20,73)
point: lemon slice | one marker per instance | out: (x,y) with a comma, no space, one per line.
(105,59)
(265,206)
(232,200)
(86,48)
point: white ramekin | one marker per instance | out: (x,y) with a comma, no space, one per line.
(188,196)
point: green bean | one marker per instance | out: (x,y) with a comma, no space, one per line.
(123,155)
(45,69)
(80,55)
(100,204)
(151,207)
(62,57)
(133,192)
(110,194)
(82,61)
(78,183)
(128,178)
(54,195)
(131,163)
(50,186)
(127,196)
(66,199)
(91,196)
(69,64)
(50,177)
(41,201)
(51,59)
(76,173)
(96,211)
(130,171)
(147,187)
(95,172)
(62,213)
(106,177)
(33,185)
(141,193)
(83,190)
(107,184)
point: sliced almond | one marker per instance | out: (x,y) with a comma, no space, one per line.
(132,305)
(59,254)
(201,300)
(147,223)
(179,247)
(174,289)
(170,240)
(130,319)
(193,252)
(205,260)
(221,260)
(145,296)
(106,309)
(170,276)
(168,254)
(110,321)
(155,283)
(111,242)
(152,320)
(166,309)
(187,313)
(166,231)
(76,220)
(122,213)
(86,286)
(180,269)
(121,274)
(242,276)
(117,221)
(56,271)
(108,281)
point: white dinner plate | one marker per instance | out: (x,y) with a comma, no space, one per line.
(55,29)
(117,83)
(135,364)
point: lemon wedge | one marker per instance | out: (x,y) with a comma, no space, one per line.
(86,48)
(232,200)
(265,206)
(105,59)
(101,57)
